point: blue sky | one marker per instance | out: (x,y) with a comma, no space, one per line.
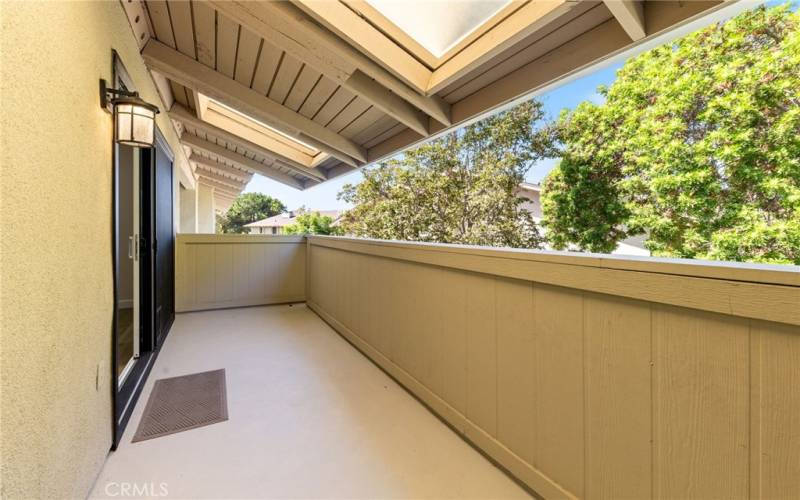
(568,95)
(323,197)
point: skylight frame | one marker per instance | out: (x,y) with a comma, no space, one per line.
(497,35)
(386,26)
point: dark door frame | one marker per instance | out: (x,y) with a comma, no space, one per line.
(124,398)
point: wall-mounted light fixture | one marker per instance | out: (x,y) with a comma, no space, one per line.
(134,118)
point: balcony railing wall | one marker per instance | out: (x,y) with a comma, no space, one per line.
(216,271)
(583,376)
(554,366)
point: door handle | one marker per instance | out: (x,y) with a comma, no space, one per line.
(130,247)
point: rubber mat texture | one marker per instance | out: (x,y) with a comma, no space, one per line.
(182,403)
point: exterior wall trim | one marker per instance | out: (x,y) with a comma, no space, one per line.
(746,290)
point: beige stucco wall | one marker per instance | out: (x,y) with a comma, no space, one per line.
(206,214)
(56,250)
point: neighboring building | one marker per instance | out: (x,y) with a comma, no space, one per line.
(276,223)
(533,192)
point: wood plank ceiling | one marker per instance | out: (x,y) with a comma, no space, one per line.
(304,77)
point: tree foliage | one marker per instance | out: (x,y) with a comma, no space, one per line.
(247,208)
(312,223)
(697,145)
(456,189)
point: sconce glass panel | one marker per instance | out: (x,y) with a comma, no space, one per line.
(135,125)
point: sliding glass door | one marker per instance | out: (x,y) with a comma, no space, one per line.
(143,239)
(128,312)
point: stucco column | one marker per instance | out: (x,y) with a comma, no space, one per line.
(188,203)
(206,213)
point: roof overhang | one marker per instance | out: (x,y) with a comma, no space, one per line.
(307,90)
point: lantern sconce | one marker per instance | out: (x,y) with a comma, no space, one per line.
(134,118)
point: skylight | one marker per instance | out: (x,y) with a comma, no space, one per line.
(438,25)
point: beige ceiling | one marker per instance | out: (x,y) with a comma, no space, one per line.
(307,90)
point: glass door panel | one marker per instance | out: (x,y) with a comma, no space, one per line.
(128,213)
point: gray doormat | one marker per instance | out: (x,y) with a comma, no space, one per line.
(182,403)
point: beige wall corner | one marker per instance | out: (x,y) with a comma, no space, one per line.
(184,170)
(188,210)
(56,218)
(206,211)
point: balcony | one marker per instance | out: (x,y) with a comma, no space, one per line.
(578,375)
(309,417)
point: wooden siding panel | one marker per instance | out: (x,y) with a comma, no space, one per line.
(181,16)
(227,42)
(267,66)
(322,91)
(397,318)
(288,72)
(516,418)
(617,391)
(185,276)
(559,372)
(481,352)
(224,271)
(306,81)
(385,135)
(338,101)
(404,320)
(241,271)
(454,340)
(246,56)
(371,124)
(205,272)
(383,305)
(349,114)
(428,312)
(160,21)
(701,403)
(357,297)
(205,33)
(775,411)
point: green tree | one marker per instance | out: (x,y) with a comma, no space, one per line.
(697,145)
(247,208)
(312,223)
(456,189)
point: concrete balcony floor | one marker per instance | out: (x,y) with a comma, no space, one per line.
(309,417)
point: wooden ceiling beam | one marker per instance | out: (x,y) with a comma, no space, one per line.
(199,77)
(200,103)
(219,188)
(290,29)
(630,15)
(227,119)
(183,115)
(388,102)
(220,168)
(225,196)
(208,174)
(240,161)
